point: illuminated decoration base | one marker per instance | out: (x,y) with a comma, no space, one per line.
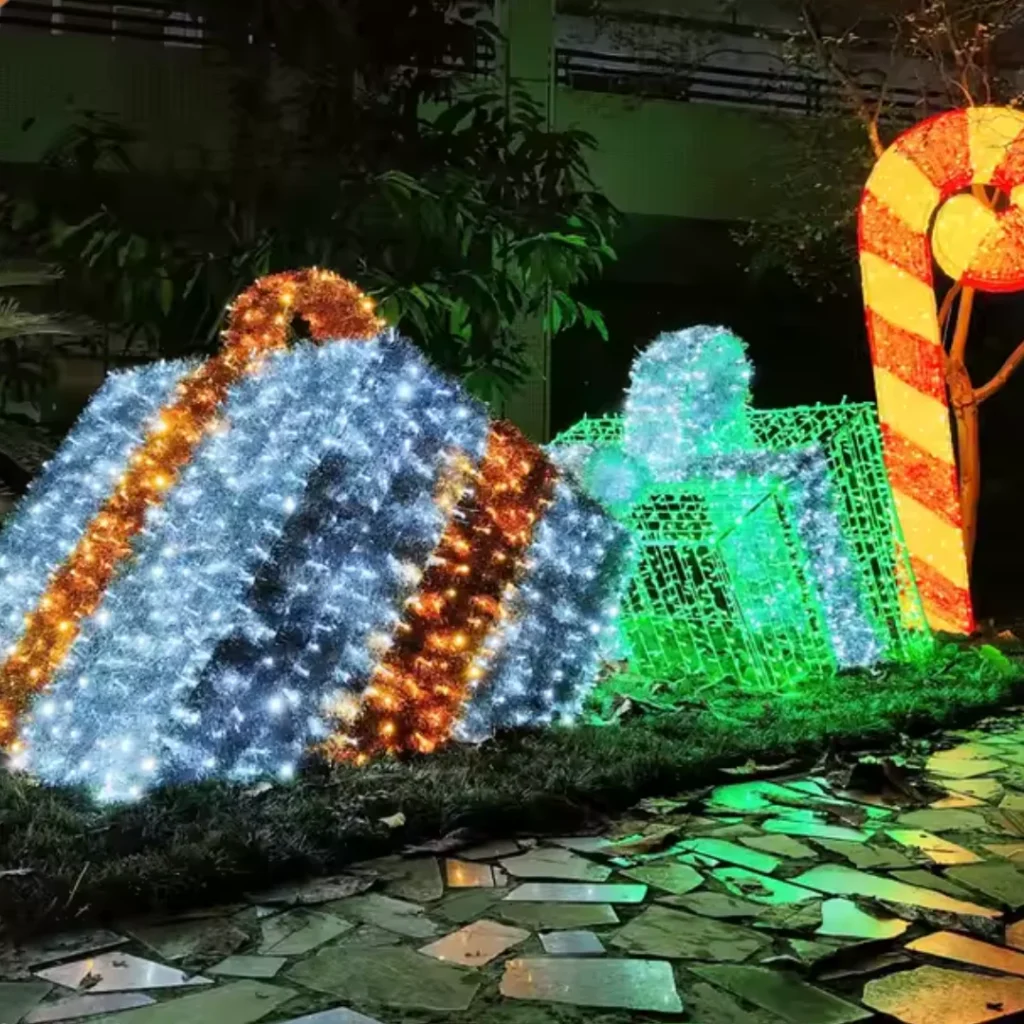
(330,549)
(768,563)
(918,203)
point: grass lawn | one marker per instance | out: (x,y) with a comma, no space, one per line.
(209,843)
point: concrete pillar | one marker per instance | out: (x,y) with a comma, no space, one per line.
(529,30)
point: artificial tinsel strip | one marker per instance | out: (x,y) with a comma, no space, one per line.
(910,203)
(416,694)
(260,323)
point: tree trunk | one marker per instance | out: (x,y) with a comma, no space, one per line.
(965,412)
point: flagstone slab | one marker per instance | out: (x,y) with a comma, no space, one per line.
(642,985)
(710,1005)
(242,1002)
(386,912)
(572,944)
(935,995)
(741,830)
(178,940)
(956,801)
(467,874)
(967,768)
(415,878)
(558,916)
(249,966)
(782,994)
(983,788)
(965,950)
(760,888)
(756,797)
(1012,802)
(554,862)
(78,1007)
(842,918)
(390,976)
(792,826)
(732,853)
(584,844)
(1012,754)
(837,880)
(971,751)
(998,881)
(713,904)
(675,934)
(298,932)
(18,997)
(67,945)
(339,1015)
(369,936)
(118,972)
(935,848)
(491,850)
(1014,935)
(790,917)
(932,820)
(668,875)
(866,856)
(1008,851)
(810,952)
(570,892)
(781,846)
(467,905)
(932,880)
(477,944)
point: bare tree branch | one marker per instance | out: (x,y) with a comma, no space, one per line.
(1005,373)
(947,304)
(848,82)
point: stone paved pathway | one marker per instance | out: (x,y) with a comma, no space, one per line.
(887,893)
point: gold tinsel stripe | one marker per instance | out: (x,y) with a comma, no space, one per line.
(417,694)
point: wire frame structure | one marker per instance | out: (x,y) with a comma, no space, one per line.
(725,583)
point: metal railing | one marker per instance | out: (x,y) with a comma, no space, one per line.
(156,21)
(145,19)
(768,89)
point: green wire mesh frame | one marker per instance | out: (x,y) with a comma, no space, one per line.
(737,602)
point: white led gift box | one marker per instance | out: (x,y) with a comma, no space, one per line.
(325,546)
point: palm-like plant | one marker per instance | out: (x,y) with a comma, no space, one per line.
(28,340)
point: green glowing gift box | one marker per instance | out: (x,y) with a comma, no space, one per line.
(768,546)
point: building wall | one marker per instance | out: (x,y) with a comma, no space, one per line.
(176,97)
(662,158)
(653,157)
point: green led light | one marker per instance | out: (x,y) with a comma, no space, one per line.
(724,585)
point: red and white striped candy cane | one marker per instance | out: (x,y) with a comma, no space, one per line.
(918,204)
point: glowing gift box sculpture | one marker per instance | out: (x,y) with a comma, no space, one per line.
(768,546)
(324,546)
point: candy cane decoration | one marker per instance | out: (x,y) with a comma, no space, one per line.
(917,205)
